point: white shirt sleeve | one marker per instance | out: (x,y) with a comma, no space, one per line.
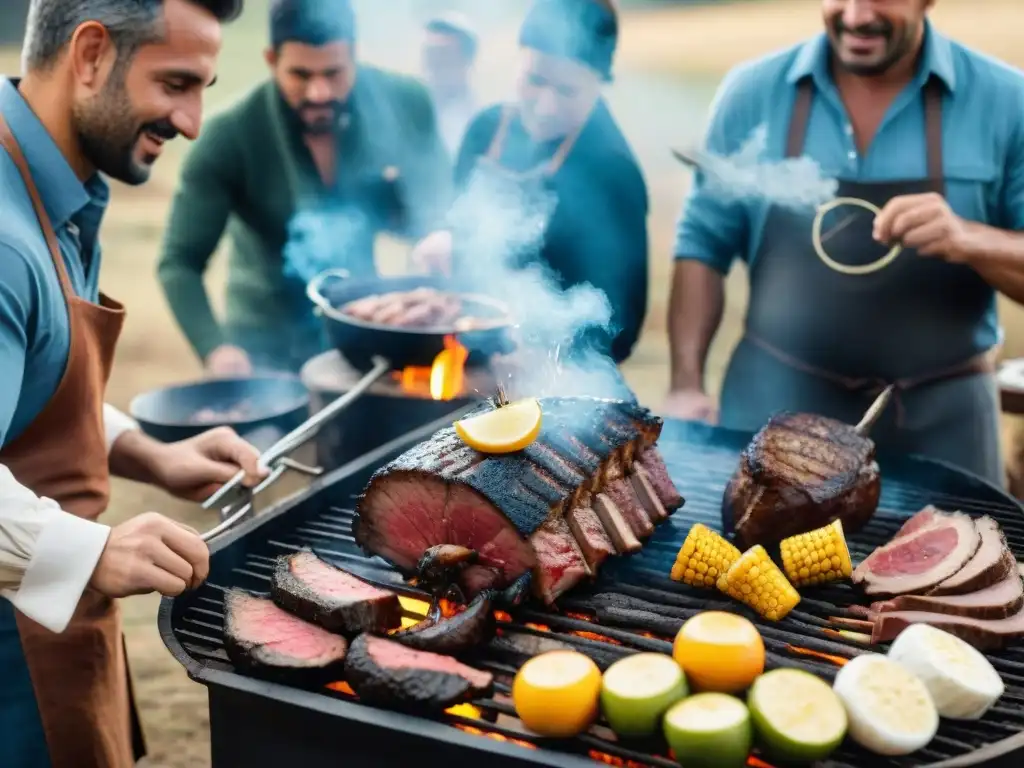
(47,555)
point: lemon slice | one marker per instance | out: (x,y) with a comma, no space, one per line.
(506,429)
(557,694)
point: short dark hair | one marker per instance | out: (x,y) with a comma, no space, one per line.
(467,40)
(130,23)
(311,22)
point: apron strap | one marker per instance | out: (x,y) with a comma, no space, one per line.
(548,169)
(498,142)
(9,143)
(932,119)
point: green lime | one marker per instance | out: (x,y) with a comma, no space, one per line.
(636,692)
(797,717)
(709,730)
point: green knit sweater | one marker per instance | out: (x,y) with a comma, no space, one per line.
(250,172)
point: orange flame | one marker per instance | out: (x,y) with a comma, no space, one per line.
(495,736)
(342,687)
(444,380)
(837,660)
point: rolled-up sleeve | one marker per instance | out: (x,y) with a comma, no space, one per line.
(711,229)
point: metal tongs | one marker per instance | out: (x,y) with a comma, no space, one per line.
(236,501)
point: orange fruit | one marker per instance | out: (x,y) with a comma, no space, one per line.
(720,652)
(506,429)
(557,693)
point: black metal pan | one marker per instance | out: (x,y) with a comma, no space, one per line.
(359,341)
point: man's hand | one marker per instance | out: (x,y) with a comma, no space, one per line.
(151,553)
(227,361)
(193,469)
(926,223)
(690,405)
(434,253)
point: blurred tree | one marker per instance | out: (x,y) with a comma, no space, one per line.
(12,22)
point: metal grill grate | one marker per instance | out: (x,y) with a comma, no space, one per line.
(633,606)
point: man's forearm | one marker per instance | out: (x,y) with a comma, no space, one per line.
(998,256)
(186,294)
(138,457)
(695,312)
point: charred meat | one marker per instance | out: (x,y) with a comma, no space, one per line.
(388,674)
(421,308)
(931,547)
(451,635)
(318,592)
(555,510)
(261,637)
(800,473)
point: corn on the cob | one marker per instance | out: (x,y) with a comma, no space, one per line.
(817,557)
(757,581)
(704,558)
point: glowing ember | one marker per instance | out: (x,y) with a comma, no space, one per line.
(595,636)
(465,710)
(417,607)
(444,380)
(607,759)
(341,687)
(495,736)
(837,660)
(502,617)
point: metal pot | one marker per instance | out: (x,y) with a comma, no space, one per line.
(269,406)
(359,341)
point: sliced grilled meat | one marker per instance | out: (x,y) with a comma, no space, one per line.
(260,637)
(451,635)
(323,594)
(799,473)
(387,674)
(985,635)
(992,563)
(997,601)
(516,511)
(918,561)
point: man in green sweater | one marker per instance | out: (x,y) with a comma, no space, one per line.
(304,173)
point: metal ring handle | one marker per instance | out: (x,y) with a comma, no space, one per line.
(317,283)
(847,269)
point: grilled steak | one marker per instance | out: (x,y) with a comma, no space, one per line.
(997,601)
(261,637)
(555,509)
(985,635)
(936,548)
(388,674)
(801,472)
(318,592)
(992,563)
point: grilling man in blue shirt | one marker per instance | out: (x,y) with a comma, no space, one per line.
(927,136)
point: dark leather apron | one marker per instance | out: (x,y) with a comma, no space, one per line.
(827,342)
(79,678)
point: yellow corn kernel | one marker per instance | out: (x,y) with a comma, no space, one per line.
(704,558)
(757,581)
(816,557)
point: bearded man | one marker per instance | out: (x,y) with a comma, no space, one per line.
(897,284)
(304,173)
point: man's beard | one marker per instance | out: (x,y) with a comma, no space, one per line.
(109,131)
(324,124)
(897,44)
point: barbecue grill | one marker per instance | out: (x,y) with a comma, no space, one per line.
(632,607)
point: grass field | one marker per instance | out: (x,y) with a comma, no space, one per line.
(693,41)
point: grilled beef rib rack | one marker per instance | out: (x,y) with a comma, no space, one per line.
(632,607)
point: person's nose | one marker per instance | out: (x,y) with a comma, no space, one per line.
(187,120)
(318,91)
(546,103)
(859,13)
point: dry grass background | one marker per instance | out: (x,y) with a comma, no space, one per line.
(682,42)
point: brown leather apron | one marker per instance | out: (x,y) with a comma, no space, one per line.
(828,342)
(80,676)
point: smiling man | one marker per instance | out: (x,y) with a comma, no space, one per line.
(927,134)
(314,164)
(106,83)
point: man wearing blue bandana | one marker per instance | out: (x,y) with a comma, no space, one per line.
(926,138)
(557,140)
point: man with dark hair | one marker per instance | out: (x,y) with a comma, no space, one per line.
(304,173)
(449,53)
(558,140)
(106,84)
(926,137)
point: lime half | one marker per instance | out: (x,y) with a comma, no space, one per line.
(709,730)
(637,690)
(797,717)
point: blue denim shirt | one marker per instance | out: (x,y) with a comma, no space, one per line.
(34,331)
(983,143)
